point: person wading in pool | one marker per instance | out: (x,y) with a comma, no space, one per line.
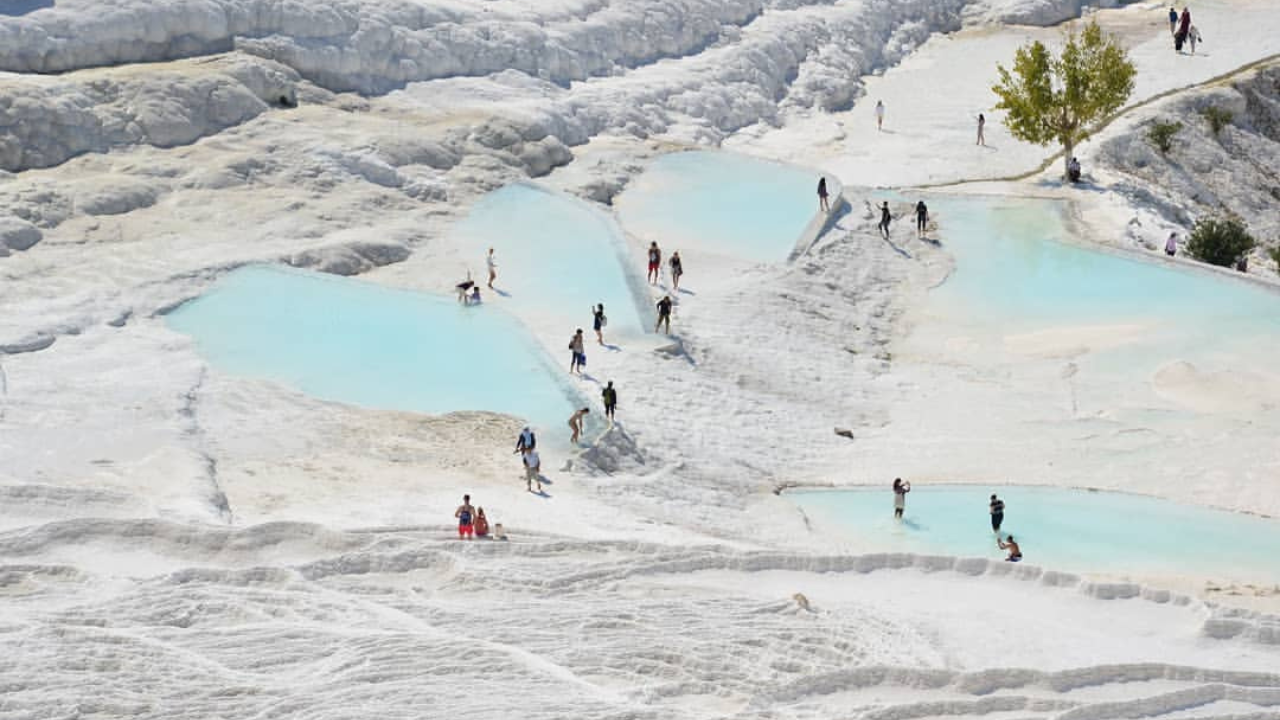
(610,398)
(655,263)
(823,205)
(997,514)
(575,424)
(598,321)
(677,269)
(464,513)
(900,490)
(1015,552)
(664,314)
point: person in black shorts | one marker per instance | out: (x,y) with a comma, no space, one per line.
(1015,552)
(610,397)
(598,321)
(664,314)
(885,219)
(997,514)
(922,218)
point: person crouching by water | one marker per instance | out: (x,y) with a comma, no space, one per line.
(1015,552)
(900,490)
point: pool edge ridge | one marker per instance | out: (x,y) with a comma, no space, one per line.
(821,221)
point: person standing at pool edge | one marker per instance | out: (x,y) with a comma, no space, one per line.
(664,314)
(879,115)
(677,269)
(823,205)
(493,267)
(922,218)
(655,263)
(885,219)
(598,321)
(1171,245)
(575,424)
(464,513)
(579,358)
(610,398)
(997,514)
(900,490)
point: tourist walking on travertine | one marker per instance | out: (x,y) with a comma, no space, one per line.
(1171,245)
(579,359)
(527,440)
(664,314)
(655,263)
(598,321)
(464,513)
(823,205)
(532,470)
(982,125)
(885,219)
(575,424)
(677,269)
(1184,28)
(1193,37)
(610,398)
(879,115)
(997,514)
(492,264)
(900,490)
(922,218)
(1173,21)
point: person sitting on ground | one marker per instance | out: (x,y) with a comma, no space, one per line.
(475,295)
(463,287)
(481,523)
(532,470)
(1015,552)
(575,424)
(1073,170)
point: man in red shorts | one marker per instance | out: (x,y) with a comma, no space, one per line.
(465,513)
(655,262)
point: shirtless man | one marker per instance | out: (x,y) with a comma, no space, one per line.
(575,424)
(465,513)
(655,263)
(1015,552)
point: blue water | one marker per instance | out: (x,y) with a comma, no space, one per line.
(557,254)
(721,202)
(1075,530)
(1012,270)
(360,343)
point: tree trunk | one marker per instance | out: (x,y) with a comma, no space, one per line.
(1067,147)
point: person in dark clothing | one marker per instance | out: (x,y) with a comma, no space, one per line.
(922,218)
(664,314)
(598,321)
(610,397)
(997,514)
(1173,21)
(885,219)
(1184,27)
(677,269)
(822,195)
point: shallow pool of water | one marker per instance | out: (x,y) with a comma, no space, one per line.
(721,202)
(555,254)
(360,343)
(1075,530)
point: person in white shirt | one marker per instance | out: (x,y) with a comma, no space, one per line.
(532,471)
(879,115)
(493,267)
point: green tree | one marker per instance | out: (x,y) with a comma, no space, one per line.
(1160,134)
(1275,256)
(1050,99)
(1220,241)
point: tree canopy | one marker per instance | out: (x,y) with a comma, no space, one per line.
(1049,98)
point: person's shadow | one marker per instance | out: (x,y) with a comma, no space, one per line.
(502,293)
(611,348)
(683,291)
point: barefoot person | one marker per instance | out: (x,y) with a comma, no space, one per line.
(527,440)
(664,314)
(655,263)
(610,398)
(879,115)
(481,523)
(900,490)
(1171,245)
(464,287)
(922,218)
(996,509)
(885,219)
(575,424)
(823,205)
(532,470)
(464,513)
(492,264)
(982,126)
(1015,552)
(579,357)
(677,269)
(598,321)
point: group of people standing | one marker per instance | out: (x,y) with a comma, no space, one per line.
(995,509)
(1184,33)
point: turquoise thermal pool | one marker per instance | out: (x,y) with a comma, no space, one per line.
(1058,528)
(359,343)
(556,254)
(722,203)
